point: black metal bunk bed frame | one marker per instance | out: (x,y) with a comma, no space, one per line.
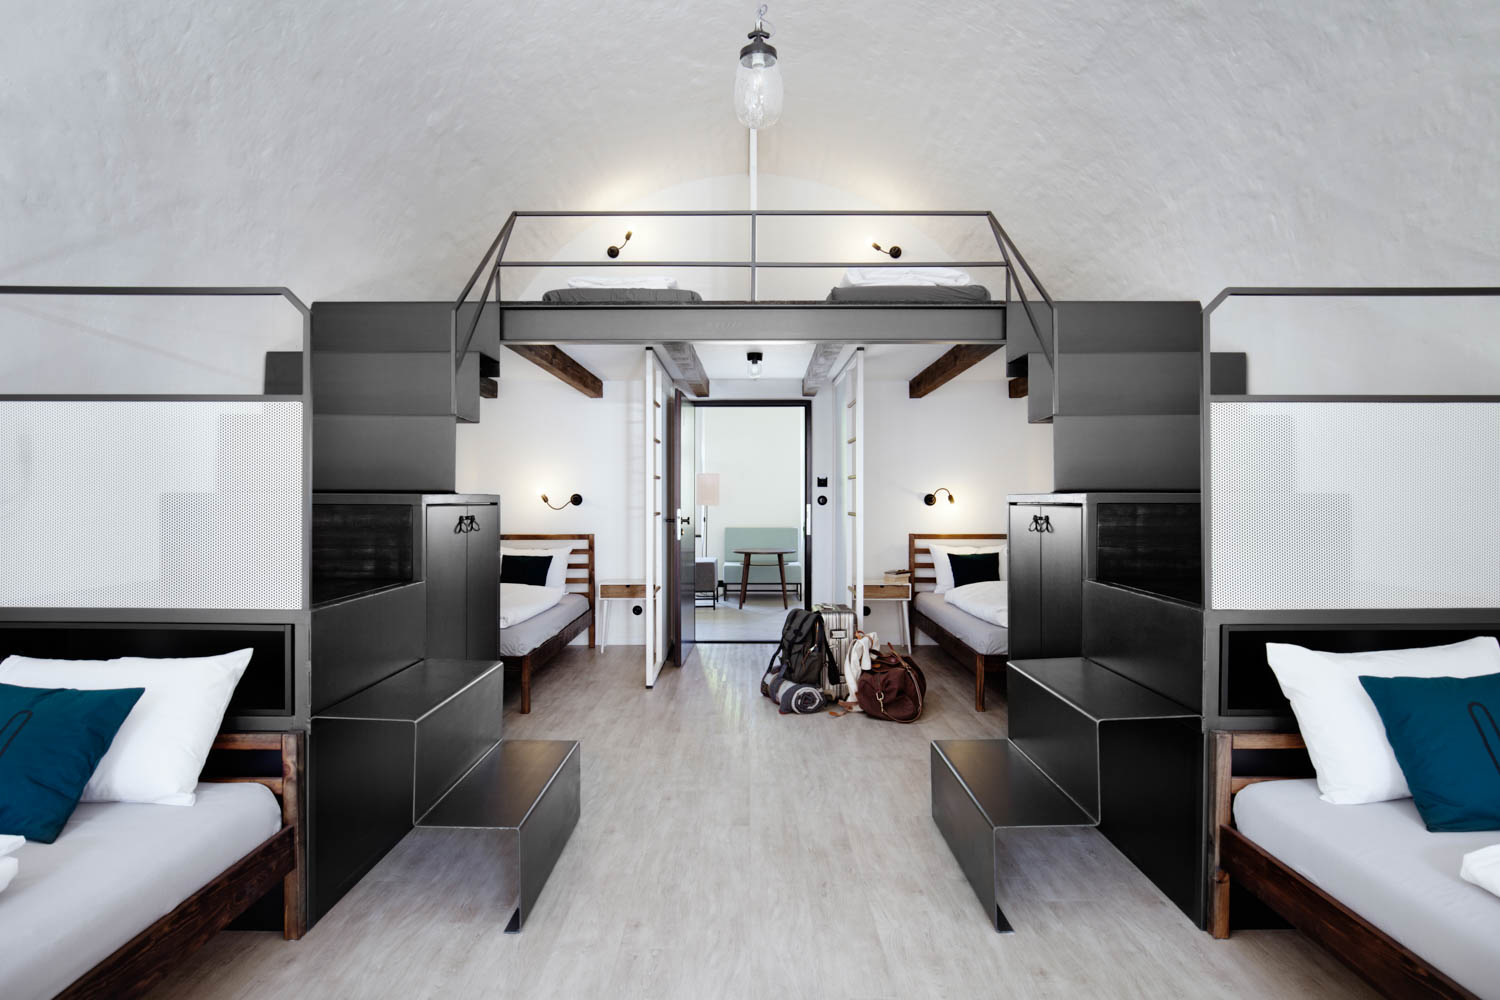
(537,322)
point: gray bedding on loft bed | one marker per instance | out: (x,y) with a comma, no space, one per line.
(863,294)
(619,296)
(910,294)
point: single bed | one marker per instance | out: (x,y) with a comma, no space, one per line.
(911,294)
(529,644)
(105,911)
(1368,882)
(962,636)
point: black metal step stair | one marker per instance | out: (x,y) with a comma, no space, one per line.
(521,801)
(1087,748)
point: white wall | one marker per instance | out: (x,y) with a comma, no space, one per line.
(758,453)
(541,434)
(967,436)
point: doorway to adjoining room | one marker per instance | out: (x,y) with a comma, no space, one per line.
(750,490)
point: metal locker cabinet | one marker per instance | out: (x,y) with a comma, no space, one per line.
(1025,588)
(1062,580)
(447,581)
(482,573)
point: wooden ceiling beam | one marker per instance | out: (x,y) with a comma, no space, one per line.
(959,359)
(689,367)
(555,362)
(820,367)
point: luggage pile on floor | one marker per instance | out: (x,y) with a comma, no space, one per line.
(821,659)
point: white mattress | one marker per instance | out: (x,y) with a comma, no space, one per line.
(1380,861)
(116,869)
(976,633)
(518,640)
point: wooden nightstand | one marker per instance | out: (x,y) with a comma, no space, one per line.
(617,590)
(879,590)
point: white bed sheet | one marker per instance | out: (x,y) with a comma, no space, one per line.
(520,602)
(1380,861)
(976,633)
(117,868)
(988,600)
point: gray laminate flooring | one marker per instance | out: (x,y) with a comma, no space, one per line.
(758,621)
(726,851)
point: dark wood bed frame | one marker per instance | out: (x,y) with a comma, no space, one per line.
(579,561)
(146,959)
(952,645)
(1391,968)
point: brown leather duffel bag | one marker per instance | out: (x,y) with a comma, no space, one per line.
(893,688)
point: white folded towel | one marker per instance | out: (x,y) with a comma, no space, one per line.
(1482,867)
(635,281)
(866,276)
(8,869)
(10,843)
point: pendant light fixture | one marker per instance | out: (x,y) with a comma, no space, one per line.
(757,80)
(752,363)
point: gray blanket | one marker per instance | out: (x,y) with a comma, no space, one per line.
(619,296)
(910,294)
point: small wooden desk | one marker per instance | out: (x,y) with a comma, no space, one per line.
(879,590)
(780,555)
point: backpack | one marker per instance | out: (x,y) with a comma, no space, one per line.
(802,657)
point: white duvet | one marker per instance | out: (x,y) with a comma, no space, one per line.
(986,600)
(520,601)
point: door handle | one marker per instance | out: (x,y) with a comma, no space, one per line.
(458,527)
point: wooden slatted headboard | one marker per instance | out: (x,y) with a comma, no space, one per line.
(580,560)
(919,556)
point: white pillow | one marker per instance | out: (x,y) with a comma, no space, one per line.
(557,571)
(1344,735)
(159,752)
(944,569)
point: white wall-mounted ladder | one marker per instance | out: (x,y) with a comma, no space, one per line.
(849,403)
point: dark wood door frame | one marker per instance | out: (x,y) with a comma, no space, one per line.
(674,465)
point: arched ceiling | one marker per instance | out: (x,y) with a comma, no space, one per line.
(370,150)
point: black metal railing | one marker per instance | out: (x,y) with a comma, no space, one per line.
(1037,308)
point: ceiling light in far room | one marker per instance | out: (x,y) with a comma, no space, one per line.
(753,360)
(757,79)
(931,498)
(893,253)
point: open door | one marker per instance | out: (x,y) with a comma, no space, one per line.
(682,524)
(654,424)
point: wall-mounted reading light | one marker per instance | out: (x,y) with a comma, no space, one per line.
(753,360)
(931,498)
(893,253)
(614,251)
(574,500)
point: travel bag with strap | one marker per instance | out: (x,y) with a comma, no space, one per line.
(893,688)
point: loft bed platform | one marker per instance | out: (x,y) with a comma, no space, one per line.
(871,311)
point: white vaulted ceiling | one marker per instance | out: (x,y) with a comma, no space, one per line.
(1134,148)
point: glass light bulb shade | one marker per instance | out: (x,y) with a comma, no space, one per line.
(755,369)
(758,94)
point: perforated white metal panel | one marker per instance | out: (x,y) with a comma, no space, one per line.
(155,504)
(1320,505)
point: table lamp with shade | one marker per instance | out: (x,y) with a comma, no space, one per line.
(707,490)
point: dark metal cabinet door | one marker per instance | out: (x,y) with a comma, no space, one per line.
(1025,603)
(1062,580)
(482,621)
(447,579)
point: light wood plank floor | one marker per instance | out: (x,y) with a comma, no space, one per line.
(727,851)
(758,621)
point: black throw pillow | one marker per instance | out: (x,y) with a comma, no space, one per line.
(975,567)
(530,570)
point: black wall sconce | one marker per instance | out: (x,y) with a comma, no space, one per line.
(614,251)
(931,498)
(574,500)
(893,253)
